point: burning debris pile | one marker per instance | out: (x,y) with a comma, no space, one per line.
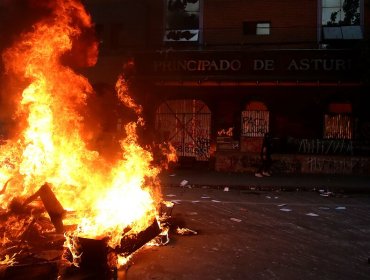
(63,204)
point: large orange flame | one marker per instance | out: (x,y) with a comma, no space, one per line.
(49,148)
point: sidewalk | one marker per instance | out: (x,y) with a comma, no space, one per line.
(210,178)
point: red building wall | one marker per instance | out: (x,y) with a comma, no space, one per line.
(292,22)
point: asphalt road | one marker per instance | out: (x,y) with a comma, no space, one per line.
(244,234)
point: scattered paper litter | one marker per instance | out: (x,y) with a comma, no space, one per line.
(172,175)
(195,201)
(267,196)
(324,208)
(312,214)
(236,220)
(226,189)
(170,195)
(281,205)
(340,208)
(184,183)
(213,200)
(205,197)
(326,194)
(285,209)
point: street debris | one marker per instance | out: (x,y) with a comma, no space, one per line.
(285,209)
(340,208)
(170,195)
(312,214)
(176,201)
(281,205)
(326,193)
(185,231)
(236,220)
(217,201)
(183,183)
(226,189)
(205,197)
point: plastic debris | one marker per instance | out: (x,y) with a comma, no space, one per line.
(340,208)
(312,214)
(205,197)
(285,209)
(183,183)
(213,200)
(236,220)
(282,205)
(325,193)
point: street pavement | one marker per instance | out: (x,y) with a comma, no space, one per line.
(279,227)
(199,177)
(259,234)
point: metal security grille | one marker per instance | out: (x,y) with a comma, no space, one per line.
(186,125)
(338,126)
(255,123)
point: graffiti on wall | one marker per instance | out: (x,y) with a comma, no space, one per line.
(186,125)
(332,165)
(255,123)
(225,132)
(198,147)
(325,146)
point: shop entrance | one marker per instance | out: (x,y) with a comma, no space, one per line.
(186,124)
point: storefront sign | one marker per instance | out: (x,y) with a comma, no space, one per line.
(279,64)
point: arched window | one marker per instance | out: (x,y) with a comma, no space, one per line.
(186,124)
(255,120)
(338,122)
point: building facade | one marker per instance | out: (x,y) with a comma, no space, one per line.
(213,76)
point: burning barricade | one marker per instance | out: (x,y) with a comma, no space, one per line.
(63,204)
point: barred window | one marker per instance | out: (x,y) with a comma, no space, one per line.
(338,122)
(255,123)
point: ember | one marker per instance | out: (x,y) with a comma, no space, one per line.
(93,204)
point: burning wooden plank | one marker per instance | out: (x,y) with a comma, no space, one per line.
(97,258)
(51,204)
(132,242)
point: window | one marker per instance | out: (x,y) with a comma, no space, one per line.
(182,20)
(256,28)
(338,123)
(263,28)
(341,19)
